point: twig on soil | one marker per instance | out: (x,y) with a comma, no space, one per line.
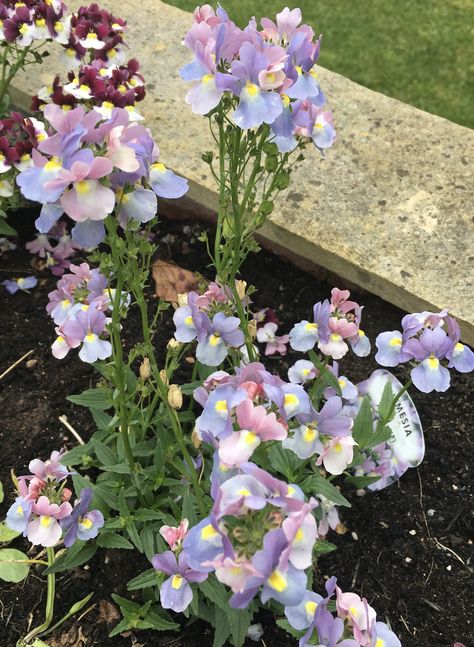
(355,574)
(18,361)
(65,422)
(429,574)
(421,504)
(406,626)
(450,550)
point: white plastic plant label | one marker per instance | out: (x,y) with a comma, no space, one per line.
(406,446)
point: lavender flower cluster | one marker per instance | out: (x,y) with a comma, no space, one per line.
(42,511)
(268,75)
(426,340)
(206,318)
(78,307)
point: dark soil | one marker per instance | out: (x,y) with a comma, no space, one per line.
(408,548)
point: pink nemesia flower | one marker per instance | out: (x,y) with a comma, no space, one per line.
(337,454)
(45,530)
(174,536)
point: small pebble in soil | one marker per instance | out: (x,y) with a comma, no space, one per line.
(448,568)
(31,363)
(431,512)
(408,559)
(354,536)
(412,532)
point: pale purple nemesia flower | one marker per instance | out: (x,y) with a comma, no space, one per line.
(82,523)
(432,346)
(274,344)
(175,592)
(51,469)
(216,337)
(18,514)
(23,284)
(86,327)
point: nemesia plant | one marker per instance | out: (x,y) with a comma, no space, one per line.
(42,512)
(227,483)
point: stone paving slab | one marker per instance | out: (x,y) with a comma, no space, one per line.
(390,208)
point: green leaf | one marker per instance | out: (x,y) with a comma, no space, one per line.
(382,433)
(144,580)
(101,419)
(123,625)
(363,424)
(127,607)
(148,542)
(239,621)
(73,558)
(39,643)
(386,400)
(2,493)
(216,593)
(316,484)
(361,481)
(156,621)
(77,455)
(284,624)
(189,507)
(134,536)
(80,482)
(222,628)
(284,461)
(113,540)
(5,229)
(13,566)
(322,546)
(92,399)
(105,455)
(7,534)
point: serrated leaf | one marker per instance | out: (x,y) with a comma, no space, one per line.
(386,401)
(156,621)
(322,546)
(113,540)
(144,580)
(148,543)
(72,559)
(284,461)
(92,399)
(216,593)
(361,481)
(363,424)
(284,624)
(76,455)
(239,622)
(13,565)
(105,455)
(316,484)
(221,628)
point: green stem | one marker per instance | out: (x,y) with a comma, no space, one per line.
(117,353)
(49,601)
(7,79)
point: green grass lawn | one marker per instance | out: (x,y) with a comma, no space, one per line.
(419,51)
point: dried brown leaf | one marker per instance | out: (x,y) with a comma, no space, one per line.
(171,280)
(108,612)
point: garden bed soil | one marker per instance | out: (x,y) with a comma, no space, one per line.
(407,549)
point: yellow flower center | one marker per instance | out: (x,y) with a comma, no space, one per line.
(396,341)
(158,167)
(291,400)
(177,582)
(208,78)
(277,581)
(221,405)
(251,88)
(46,521)
(310,608)
(208,532)
(82,187)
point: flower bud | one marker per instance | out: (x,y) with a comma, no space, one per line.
(183,299)
(241,286)
(196,441)
(66,494)
(252,328)
(175,397)
(164,376)
(173,344)
(144,369)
